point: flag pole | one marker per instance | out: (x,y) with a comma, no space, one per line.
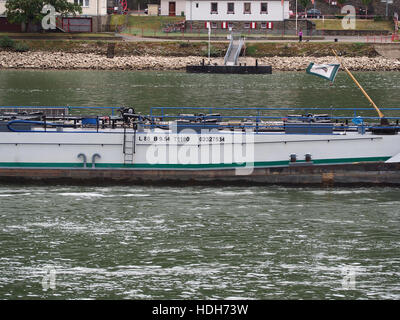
(383,120)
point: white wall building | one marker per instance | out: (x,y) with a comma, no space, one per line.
(89,7)
(92,7)
(238,10)
(227,10)
(2,7)
(173,8)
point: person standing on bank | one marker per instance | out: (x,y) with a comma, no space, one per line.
(300,35)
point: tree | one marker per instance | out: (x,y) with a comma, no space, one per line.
(304,3)
(366,3)
(29,11)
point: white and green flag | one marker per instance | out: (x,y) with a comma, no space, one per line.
(326,71)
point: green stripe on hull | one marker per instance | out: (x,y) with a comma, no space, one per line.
(180,166)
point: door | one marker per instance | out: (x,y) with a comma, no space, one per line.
(172,9)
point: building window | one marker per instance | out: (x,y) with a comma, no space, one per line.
(247,7)
(83,3)
(264,7)
(230,25)
(214,8)
(213,25)
(247,25)
(263,25)
(197,5)
(231,7)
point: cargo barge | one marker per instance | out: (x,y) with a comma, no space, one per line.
(343,146)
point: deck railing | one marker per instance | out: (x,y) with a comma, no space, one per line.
(251,117)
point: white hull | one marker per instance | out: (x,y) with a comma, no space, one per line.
(222,149)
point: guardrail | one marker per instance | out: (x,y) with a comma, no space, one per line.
(239,49)
(228,52)
(161,111)
(258,110)
(211,117)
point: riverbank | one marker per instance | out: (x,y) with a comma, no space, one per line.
(91,61)
(186,48)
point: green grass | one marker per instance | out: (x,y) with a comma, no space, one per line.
(361,24)
(145,22)
(117,19)
(152,22)
(144,25)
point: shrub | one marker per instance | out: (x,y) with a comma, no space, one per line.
(214,52)
(358,45)
(21,47)
(6,42)
(379,18)
(251,50)
(184,44)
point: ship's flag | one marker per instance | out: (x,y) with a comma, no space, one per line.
(326,71)
(282,2)
(312,1)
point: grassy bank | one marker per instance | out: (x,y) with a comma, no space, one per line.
(317,49)
(360,24)
(184,49)
(153,26)
(143,25)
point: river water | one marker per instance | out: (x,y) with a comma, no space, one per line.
(177,242)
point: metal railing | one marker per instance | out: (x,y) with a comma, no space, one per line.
(239,49)
(255,118)
(235,44)
(228,52)
(161,111)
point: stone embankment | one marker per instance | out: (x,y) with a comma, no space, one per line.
(90,61)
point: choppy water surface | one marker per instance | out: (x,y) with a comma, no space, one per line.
(174,89)
(197,242)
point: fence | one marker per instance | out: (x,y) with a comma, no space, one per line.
(258,32)
(379,39)
(215,33)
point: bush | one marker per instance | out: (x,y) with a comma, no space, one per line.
(21,47)
(6,42)
(184,44)
(379,18)
(251,50)
(214,52)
